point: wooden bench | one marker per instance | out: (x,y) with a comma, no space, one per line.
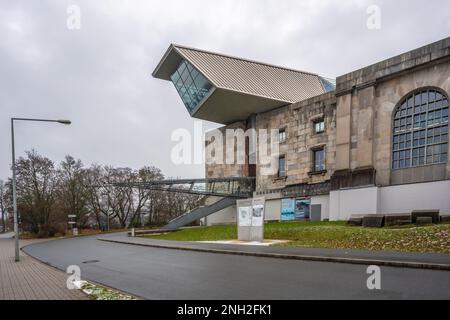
(373,221)
(398,219)
(355,220)
(431,213)
(424,221)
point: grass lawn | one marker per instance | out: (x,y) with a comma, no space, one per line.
(434,238)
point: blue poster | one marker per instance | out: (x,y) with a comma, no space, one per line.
(302,209)
(295,209)
(287,209)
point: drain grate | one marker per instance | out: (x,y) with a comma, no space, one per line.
(91,261)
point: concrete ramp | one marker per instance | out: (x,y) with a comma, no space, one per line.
(199,213)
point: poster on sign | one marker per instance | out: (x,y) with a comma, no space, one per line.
(258,213)
(245,216)
(287,209)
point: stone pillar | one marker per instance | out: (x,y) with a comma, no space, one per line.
(343,131)
(363,127)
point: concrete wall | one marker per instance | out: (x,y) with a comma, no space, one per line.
(390,199)
(346,202)
(403,198)
(224,216)
(229,215)
(273,210)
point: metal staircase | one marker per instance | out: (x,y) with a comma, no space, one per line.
(199,213)
(229,189)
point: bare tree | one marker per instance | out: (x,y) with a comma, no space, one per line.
(71,192)
(144,198)
(36,184)
(98,194)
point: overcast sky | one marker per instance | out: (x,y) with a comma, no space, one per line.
(100,75)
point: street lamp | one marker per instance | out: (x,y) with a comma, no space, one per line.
(106,193)
(16,222)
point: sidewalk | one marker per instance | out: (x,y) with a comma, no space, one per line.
(30,279)
(433,261)
(7,235)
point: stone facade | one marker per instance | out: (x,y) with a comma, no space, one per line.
(367,100)
(216,167)
(358,132)
(298,120)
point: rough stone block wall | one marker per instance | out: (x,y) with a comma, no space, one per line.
(298,121)
(223,170)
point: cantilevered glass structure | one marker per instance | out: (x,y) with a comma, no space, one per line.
(191,85)
(225,89)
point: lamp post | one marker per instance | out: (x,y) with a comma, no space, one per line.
(16,220)
(106,193)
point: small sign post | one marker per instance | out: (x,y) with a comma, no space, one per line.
(71,222)
(250,214)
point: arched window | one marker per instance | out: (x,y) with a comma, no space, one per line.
(420,134)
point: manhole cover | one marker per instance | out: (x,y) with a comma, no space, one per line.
(91,261)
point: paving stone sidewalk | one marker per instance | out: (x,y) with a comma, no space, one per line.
(30,279)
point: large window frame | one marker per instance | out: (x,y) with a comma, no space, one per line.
(318,155)
(282,136)
(192,86)
(282,166)
(420,129)
(319,126)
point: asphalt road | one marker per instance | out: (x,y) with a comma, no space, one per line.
(155,273)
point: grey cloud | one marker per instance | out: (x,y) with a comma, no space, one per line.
(100,76)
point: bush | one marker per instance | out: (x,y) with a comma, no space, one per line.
(50,231)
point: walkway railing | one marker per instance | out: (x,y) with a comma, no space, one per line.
(239,187)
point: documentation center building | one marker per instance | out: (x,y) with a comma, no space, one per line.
(374,141)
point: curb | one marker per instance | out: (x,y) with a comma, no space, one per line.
(388,263)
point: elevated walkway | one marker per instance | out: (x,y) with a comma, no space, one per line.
(240,187)
(229,189)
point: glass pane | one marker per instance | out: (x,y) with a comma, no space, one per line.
(182,67)
(282,167)
(421,151)
(418,99)
(411,102)
(445,103)
(175,77)
(424,97)
(191,91)
(431,96)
